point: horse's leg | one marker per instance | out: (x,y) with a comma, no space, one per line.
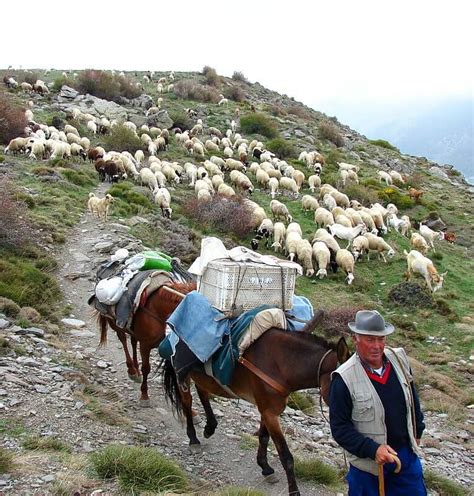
(133,342)
(272,424)
(187,402)
(133,373)
(211,421)
(145,354)
(263,438)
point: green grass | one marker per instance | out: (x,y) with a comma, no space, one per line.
(443,486)
(138,469)
(46,444)
(248,442)
(300,401)
(314,470)
(384,144)
(11,428)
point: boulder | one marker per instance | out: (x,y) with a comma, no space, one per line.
(160,119)
(68,93)
(437,171)
(143,101)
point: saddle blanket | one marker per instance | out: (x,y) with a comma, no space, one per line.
(211,337)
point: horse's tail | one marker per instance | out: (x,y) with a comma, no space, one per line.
(171,387)
(102,321)
(313,322)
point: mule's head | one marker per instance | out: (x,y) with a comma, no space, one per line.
(341,355)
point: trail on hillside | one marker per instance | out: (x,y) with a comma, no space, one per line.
(225,459)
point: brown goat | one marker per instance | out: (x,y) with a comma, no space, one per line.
(415,194)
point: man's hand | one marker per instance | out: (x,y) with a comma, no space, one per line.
(384,454)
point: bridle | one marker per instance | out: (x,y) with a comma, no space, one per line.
(319,384)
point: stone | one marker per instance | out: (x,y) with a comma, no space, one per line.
(4,323)
(35,331)
(80,257)
(41,389)
(84,333)
(437,171)
(299,133)
(74,323)
(143,101)
(133,221)
(104,246)
(68,93)
(161,119)
(48,478)
(101,364)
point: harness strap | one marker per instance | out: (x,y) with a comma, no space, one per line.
(265,378)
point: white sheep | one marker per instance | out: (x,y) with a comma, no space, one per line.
(380,246)
(139,156)
(418,242)
(322,256)
(309,203)
(225,190)
(329,202)
(304,253)
(92,126)
(163,200)
(314,182)
(289,184)
(323,217)
(397,177)
(430,235)
(279,233)
(291,244)
(360,245)
(419,264)
(148,178)
(325,237)
(385,176)
(262,178)
(299,178)
(346,262)
(399,225)
(280,210)
(273,184)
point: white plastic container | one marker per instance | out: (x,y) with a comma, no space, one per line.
(227,284)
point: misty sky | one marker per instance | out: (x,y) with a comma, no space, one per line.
(319,52)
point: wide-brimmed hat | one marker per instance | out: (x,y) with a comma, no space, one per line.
(370,322)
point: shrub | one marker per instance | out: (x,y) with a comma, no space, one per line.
(392,195)
(105,85)
(227,215)
(190,90)
(282,148)
(239,76)
(122,139)
(31,77)
(12,119)
(139,469)
(258,124)
(361,193)
(45,444)
(312,469)
(60,81)
(6,461)
(299,111)
(443,486)
(9,307)
(181,119)
(15,230)
(211,76)
(384,144)
(329,131)
(300,401)
(335,322)
(234,93)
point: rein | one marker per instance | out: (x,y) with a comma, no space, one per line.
(319,377)
(265,378)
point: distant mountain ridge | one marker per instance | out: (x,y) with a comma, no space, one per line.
(442,132)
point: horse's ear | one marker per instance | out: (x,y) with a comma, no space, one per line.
(343,353)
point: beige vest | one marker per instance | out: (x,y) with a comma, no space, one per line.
(368,415)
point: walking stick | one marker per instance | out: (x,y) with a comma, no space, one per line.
(381,478)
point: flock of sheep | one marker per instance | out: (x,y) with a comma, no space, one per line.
(228,164)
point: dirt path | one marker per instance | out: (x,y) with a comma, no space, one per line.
(224,458)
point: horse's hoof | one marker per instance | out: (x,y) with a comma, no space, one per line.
(195,448)
(272,479)
(134,378)
(145,403)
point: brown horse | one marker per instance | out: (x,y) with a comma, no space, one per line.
(290,361)
(148,329)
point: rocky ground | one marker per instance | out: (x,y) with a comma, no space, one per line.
(59,384)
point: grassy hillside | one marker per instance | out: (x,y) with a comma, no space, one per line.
(53,193)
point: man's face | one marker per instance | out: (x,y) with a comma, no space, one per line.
(370,349)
